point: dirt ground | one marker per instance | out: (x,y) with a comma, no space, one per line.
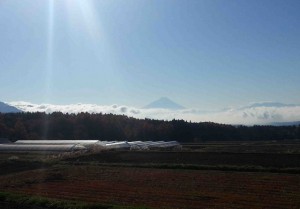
(159,188)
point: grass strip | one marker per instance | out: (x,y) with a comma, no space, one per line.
(20,201)
(245,168)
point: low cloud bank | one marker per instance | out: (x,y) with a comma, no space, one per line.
(249,115)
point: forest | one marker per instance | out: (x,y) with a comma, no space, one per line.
(57,125)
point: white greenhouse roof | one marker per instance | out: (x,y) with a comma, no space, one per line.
(74,145)
(35,147)
(56,141)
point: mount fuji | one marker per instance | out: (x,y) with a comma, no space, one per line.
(164,103)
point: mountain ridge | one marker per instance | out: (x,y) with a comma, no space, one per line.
(268,104)
(5,108)
(164,103)
(289,123)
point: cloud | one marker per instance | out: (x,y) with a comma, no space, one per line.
(123,109)
(249,115)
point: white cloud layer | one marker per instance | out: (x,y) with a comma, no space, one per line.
(249,115)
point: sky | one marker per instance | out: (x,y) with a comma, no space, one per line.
(204,54)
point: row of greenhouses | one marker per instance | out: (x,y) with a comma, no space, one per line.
(80,145)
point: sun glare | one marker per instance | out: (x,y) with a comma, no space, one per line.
(84,13)
(49,63)
(50,47)
(83,16)
(87,18)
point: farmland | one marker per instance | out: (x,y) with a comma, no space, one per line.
(192,178)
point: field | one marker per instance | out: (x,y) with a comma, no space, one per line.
(153,179)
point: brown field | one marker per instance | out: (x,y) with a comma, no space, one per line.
(159,188)
(218,178)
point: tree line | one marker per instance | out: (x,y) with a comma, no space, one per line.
(57,125)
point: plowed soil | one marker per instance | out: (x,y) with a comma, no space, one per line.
(159,188)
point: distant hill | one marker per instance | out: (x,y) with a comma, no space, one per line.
(269,104)
(164,103)
(5,108)
(293,123)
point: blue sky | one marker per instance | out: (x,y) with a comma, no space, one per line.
(205,54)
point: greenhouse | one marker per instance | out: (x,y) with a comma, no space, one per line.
(82,145)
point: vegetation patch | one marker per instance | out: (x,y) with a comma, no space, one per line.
(21,201)
(15,166)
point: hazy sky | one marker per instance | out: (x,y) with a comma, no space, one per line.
(205,54)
